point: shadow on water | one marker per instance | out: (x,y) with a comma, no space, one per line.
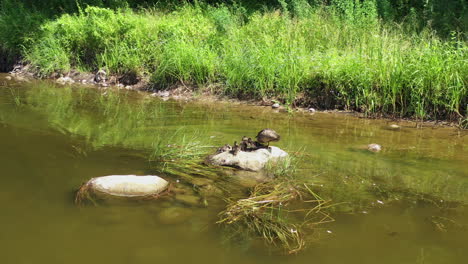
(410,198)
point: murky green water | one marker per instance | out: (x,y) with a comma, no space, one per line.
(406,204)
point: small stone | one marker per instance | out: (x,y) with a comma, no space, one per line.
(374,147)
(100,76)
(65,80)
(128,87)
(311,110)
(164,93)
(8,78)
(154,94)
(275,105)
(394,126)
(104,84)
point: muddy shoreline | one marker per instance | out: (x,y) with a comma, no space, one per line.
(183,92)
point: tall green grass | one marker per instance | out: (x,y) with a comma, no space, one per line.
(340,56)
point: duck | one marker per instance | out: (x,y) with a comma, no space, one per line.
(265,136)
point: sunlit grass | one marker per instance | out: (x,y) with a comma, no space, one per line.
(322,58)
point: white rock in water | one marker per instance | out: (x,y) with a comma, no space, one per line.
(374,147)
(128,185)
(275,105)
(248,160)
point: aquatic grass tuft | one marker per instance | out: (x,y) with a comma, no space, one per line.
(269,213)
(282,168)
(16,96)
(261,214)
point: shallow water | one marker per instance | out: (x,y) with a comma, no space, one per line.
(406,204)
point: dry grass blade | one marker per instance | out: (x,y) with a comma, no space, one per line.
(83,193)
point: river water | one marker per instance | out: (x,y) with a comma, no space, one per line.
(406,204)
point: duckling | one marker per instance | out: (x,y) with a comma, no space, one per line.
(235,148)
(224,148)
(267,135)
(244,144)
(251,144)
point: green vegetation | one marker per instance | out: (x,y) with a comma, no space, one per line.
(349,54)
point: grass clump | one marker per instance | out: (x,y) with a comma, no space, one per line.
(269,213)
(279,211)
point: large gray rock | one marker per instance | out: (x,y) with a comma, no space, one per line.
(248,160)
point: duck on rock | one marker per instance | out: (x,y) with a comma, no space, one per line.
(267,135)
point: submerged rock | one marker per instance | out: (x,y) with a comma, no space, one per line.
(248,160)
(187,199)
(174,215)
(210,190)
(275,105)
(248,179)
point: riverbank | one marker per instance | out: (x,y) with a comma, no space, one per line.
(323,58)
(189,93)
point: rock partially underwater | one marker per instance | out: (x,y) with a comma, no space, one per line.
(374,147)
(248,160)
(123,186)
